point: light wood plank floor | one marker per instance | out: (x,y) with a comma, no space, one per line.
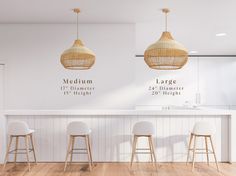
(118,169)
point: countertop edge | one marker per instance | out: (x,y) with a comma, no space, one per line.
(116,112)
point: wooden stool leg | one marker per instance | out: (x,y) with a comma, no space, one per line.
(153,152)
(207,150)
(27,150)
(72,148)
(7,152)
(189,147)
(150,148)
(33,148)
(88,152)
(214,154)
(68,152)
(194,150)
(16,149)
(133,150)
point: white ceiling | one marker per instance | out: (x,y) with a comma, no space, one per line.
(194,22)
(114,11)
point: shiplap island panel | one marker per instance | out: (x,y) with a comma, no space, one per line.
(112,132)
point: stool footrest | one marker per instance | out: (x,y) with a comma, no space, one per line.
(15,151)
(197,149)
(78,153)
(143,149)
(142,152)
(209,151)
(204,153)
(79,149)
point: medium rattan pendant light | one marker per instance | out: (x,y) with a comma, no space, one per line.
(78,57)
(166,53)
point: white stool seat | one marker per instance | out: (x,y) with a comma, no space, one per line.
(143,128)
(31,131)
(78,128)
(203,128)
(19,128)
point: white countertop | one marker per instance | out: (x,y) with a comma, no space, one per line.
(118,112)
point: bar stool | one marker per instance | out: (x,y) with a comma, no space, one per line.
(74,130)
(143,129)
(204,130)
(16,130)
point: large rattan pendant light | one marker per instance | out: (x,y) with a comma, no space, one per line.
(78,57)
(166,53)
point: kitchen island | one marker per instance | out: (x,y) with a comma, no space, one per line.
(112,132)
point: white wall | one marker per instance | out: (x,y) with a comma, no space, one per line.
(211,77)
(217,81)
(34,74)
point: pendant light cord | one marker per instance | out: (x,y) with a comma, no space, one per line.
(166,11)
(166,21)
(77,26)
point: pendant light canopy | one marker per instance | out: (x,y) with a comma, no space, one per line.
(166,53)
(78,57)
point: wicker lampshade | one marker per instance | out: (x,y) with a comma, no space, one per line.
(78,57)
(166,53)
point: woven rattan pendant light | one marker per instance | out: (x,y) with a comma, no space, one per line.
(78,57)
(166,53)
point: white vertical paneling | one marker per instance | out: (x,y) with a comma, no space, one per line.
(178,138)
(166,139)
(111,136)
(95,137)
(185,134)
(47,127)
(114,127)
(60,140)
(106,144)
(217,138)
(224,139)
(102,138)
(127,138)
(159,143)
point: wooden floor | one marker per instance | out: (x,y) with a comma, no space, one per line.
(118,169)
